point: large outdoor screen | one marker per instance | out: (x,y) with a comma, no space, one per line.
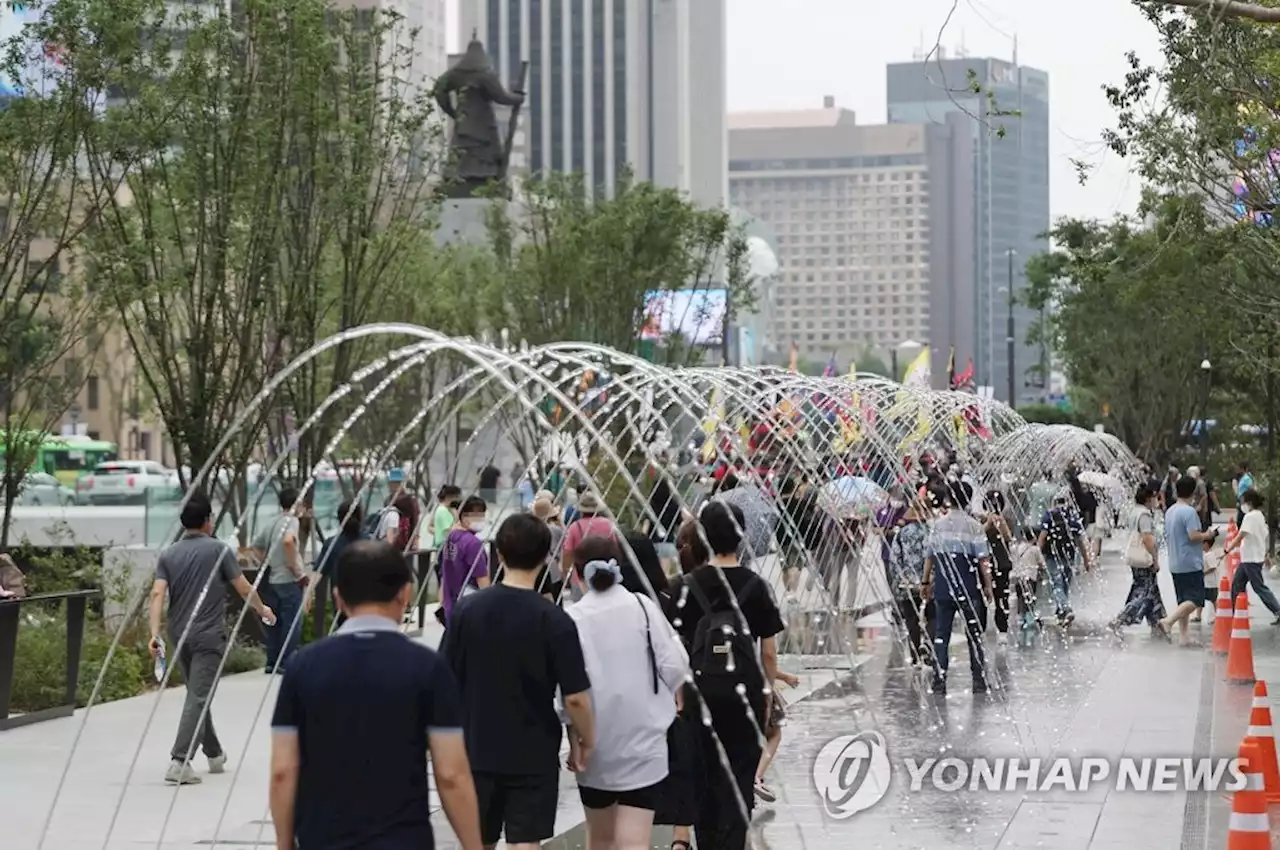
(39,74)
(696,314)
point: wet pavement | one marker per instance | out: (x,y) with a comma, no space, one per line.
(1080,695)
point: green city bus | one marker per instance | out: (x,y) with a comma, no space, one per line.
(68,458)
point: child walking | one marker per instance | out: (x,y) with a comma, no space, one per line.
(1028,567)
(773,737)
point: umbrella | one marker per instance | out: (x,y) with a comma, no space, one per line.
(1100,481)
(852,492)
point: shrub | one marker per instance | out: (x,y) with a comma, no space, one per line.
(40,670)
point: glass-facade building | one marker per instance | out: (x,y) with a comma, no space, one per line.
(1011,192)
(610,86)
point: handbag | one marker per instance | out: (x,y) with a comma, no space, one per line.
(1136,554)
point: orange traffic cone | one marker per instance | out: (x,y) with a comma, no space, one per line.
(1240,653)
(1261,733)
(1250,827)
(1222,622)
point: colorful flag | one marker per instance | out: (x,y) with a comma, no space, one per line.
(711,425)
(964,381)
(853,370)
(830,370)
(919,373)
(794,366)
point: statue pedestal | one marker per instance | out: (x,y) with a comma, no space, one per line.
(462,221)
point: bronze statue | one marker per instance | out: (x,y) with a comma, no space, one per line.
(477,151)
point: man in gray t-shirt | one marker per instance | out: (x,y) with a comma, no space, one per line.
(279,546)
(194,573)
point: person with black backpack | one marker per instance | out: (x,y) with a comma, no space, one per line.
(728,619)
(1061,538)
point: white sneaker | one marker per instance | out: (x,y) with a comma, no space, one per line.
(180,773)
(218,764)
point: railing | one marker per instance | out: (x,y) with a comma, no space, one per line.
(10,617)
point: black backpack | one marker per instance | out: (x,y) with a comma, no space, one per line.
(722,653)
(1059,541)
(369,530)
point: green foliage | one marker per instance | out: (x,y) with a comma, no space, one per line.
(41,665)
(571,264)
(54,569)
(1048,414)
(47,201)
(1136,310)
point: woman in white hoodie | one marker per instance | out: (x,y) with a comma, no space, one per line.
(636,665)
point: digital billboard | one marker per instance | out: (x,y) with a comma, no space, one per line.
(696,314)
(39,72)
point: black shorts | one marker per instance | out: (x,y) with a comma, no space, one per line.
(639,798)
(522,807)
(1189,587)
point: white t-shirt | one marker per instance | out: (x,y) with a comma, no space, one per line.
(390,522)
(1253,548)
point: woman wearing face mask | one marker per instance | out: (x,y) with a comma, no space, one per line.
(442,522)
(464,564)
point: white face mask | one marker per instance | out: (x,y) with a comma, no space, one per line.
(476,525)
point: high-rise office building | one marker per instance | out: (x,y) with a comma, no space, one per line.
(616,84)
(874,230)
(1011,190)
(422,30)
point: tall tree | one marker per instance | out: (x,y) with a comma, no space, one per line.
(1136,309)
(46,205)
(358,203)
(273,161)
(571,264)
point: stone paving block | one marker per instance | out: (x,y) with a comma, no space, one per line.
(1051,825)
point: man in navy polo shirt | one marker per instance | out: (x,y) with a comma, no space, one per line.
(356,715)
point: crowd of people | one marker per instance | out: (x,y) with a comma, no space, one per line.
(562,627)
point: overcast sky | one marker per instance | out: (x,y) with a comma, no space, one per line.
(787,54)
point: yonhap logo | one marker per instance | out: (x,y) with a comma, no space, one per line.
(851,774)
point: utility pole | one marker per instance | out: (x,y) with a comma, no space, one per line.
(1010,338)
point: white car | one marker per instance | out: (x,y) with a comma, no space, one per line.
(41,488)
(124,482)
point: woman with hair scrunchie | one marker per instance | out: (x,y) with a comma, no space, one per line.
(623,633)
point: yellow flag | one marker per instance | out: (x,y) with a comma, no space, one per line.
(919,373)
(711,425)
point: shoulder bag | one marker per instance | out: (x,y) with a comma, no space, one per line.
(1137,555)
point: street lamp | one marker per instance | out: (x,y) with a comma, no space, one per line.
(1010,335)
(1206,369)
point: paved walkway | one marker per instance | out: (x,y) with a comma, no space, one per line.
(1088,694)
(114,798)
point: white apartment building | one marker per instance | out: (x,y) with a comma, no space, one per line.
(614,84)
(873,227)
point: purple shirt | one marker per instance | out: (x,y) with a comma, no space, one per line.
(887,517)
(462,561)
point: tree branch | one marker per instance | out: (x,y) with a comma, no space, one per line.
(1229,9)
